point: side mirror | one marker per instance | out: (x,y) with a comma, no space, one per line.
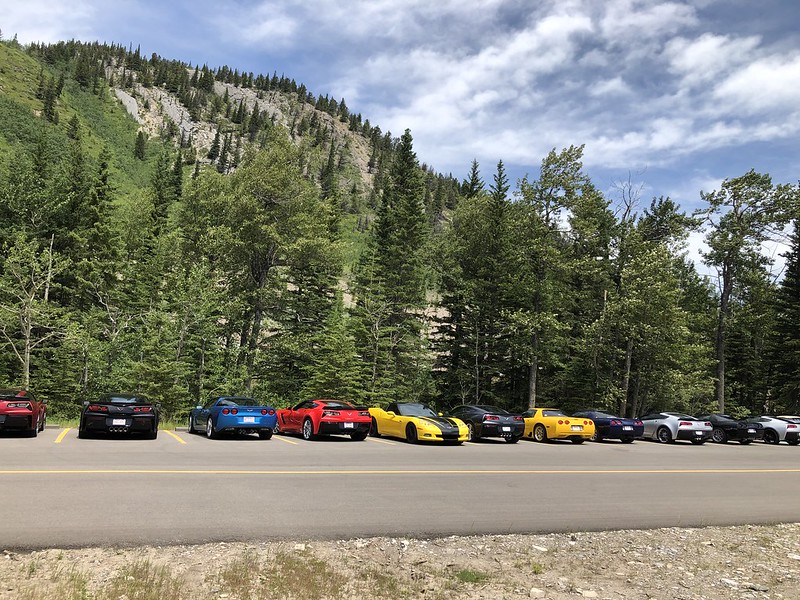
(391,414)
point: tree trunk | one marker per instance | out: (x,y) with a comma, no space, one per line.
(626,378)
(724,303)
(533,373)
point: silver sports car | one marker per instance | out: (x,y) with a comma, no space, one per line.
(667,427)
(780,429)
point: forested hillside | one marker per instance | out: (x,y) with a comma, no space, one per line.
(181,231)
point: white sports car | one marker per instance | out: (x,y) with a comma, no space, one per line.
(667,427)
(780,429)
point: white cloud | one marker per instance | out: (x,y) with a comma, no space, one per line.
(42,21)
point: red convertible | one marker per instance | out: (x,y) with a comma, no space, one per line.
(322,417)
(19,410)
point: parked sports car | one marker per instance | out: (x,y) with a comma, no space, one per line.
(667,427)
(727,428)
(119,413)
(544,424)
(416,422)
(612,427)
(484,421)
(21,411)
(780,429)
(233,414)
(324,417)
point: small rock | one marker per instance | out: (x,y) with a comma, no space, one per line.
(589,594)
(757,587)
(539,548)
(794,556)
(730,582)
(300,547)
(537,593)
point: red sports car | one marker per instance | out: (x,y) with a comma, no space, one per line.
(20,410)
(323,417)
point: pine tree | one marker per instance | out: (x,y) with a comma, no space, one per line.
(139,150)
(786,338)
(474,184)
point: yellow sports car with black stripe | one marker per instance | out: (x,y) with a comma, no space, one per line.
(542,424)
(416,422)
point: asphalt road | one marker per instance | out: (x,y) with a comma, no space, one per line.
(59,491)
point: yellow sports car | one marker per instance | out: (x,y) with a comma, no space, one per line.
(416,423)
(544,424)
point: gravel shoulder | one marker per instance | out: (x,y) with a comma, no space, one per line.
(706,563)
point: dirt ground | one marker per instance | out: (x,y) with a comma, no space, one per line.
(670,564)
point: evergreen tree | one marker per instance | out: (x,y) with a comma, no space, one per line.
(139,150)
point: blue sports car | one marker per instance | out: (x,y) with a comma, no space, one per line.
(235,414)
(611,427)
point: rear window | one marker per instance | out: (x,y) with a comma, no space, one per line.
(553,413)
(330,404)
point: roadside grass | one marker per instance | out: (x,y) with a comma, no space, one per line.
(143,581)
(64,584)
(470,576)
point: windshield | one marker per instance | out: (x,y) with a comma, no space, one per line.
(602,415)
(496,410)
(415,410)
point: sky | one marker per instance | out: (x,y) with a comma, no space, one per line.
(673,96)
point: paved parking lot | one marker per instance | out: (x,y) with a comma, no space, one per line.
(186,488)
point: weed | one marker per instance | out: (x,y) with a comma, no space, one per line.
(143,581)
(470,576)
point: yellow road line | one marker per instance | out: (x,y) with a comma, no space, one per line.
(180,439)
(283,439)
(62,434)
(372,439)
(393,472)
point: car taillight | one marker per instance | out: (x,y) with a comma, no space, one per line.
(637,422)
(263,411)
(708,424)
(566,421)
(685,424)
(226,411)
(234,411)
(141,409)
(519,419)
(560,422)
(330,413)
(491,418)
(271,412)
(97,408)
(363,413)
(791,426)
(586,422)
(26,405)
(615,422)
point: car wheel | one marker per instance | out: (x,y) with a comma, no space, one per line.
(308,430)
(719,435)
(210,433)
(43,422)
(471,435)
(627,440)
(596,437)
(152,435)
(358,436)
(771,437)
(578,440)
(698,442)
(540,433)
(745,442)
(793,442)
(411,434)
(265,434)
(513,439)
(82,433)
(664,435)
(34,431)
(373,428)
(192,428)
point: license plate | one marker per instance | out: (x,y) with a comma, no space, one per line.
(248,419)
(698,433)
(577,428)
(349,425)
(751,431)
(627,428)
(118,422)
(506,428)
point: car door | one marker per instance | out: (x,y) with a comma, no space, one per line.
(394,425)
(651,423)
(204,413)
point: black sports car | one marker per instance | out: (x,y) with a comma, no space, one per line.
(120,413)
(484,420)
(727,428)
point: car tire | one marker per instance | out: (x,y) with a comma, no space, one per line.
(596,437)
(793,442)
(411,434)
(308,430)
(34,431)
(192,428)
(513,439)
(540,433)
(43,422)
(82,433)
(359,436)
(698,442)
(719,436)
(373,428)
(771,437)
(471,435)
(578,440)
(265,434)
(152,435)
(664,435)
(745,442)
(628,440)
(210,432)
